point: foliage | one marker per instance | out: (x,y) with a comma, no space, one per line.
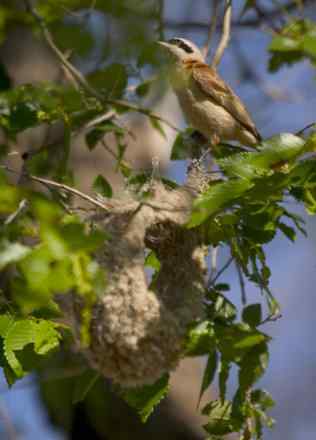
(47,252)
(295,42)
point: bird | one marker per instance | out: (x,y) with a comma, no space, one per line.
(209,105)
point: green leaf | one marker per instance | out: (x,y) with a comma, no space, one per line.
(149,55)
(217,197)
(73,37)
(309,43)
(145,399)
(296,41)
(220,421)
(77,239)
(97,134)
(200,340)
(262,398)
(276,150)
(143,88)
(287,231)
(102,186)
(284,44)
(235,340)
(23,115)
(223,375)
(184,145)
(5,323)
(10,198)
(247,5)
(252,366)
(157,125)
(209,373)
(12,253)
(83,384)
(112,80)
(221,308)
(20,334)
(252,314)
(152,261)
(46,337)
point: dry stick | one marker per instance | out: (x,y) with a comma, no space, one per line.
(69,189)
(77,75)
(225,35)
(58,185)
(214,253)
(212,29)
(22,206)
(249,23)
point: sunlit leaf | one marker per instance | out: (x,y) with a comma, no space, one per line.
(146,398)
(102,186)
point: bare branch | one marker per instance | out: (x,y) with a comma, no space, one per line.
(225,35)
(61,186)
(244,23)
(307,127)
(214,253)
(212,29)
(21,208)
(69,189)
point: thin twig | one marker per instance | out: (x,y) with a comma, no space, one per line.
(22,206)
(81,80)
(220,272)
(225,35)
(99,119)
(244,23)
(214,254)
(61,186)
(271,318)
(242,284)
(212,28)
(69,189)
(300,132)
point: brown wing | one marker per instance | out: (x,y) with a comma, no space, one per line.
(212,85)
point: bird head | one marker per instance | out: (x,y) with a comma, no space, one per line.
(182,50)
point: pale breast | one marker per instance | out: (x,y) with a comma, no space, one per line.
(206,116)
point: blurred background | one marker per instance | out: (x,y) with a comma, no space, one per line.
(278,102)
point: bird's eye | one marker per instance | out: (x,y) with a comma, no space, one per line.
(180,43)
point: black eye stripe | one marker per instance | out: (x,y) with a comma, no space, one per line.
(181,44)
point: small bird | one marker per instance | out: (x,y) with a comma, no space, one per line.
(208,103)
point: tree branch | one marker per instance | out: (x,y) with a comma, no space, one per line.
(249,23)
(225,35)
(69,189)
(60,186)
(212,28)
(81,80)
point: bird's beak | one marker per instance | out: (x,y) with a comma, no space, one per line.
(163,43)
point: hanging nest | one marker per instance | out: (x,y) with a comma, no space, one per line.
(139,327)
